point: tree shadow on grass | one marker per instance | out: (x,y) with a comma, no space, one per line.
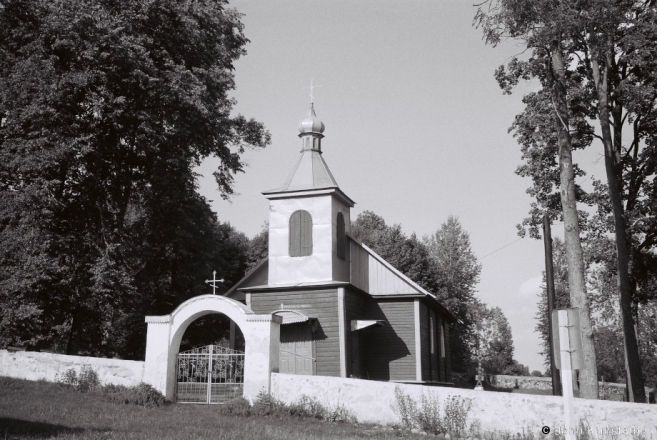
(10,427)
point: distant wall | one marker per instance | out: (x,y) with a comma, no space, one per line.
(520,382)
(32,365)
(373,401)
(608,391)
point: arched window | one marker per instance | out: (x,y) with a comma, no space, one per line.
(341,237)
(301,234)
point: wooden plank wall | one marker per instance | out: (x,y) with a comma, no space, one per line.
(359,274)
(321,304)
(448,355)
(435,356)
(383,281)
(441,360)
(425,342)
(354,305)
(388,353)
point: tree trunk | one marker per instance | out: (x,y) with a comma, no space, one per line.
(614,183)
(73,343)
(574,254)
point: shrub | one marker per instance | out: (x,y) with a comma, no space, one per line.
(142,395)
(86,381)
(305,407)
(537,373)
(236,407)
(406,408)
(68,379)
(427,417)
(308,407)
(339,414)
(267,405)
(456,414)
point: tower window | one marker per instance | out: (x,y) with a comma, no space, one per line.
(301,234)
(341,237)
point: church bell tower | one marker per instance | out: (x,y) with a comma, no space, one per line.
(309,217)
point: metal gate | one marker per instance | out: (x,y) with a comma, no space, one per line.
(210,374)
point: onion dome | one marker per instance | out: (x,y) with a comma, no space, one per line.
(311,123)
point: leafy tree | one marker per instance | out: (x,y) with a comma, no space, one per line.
(492,342)
(105,108)
(258,248)
(457,271)
(516,369)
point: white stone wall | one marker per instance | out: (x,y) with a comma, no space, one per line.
(32,365)
(372,401)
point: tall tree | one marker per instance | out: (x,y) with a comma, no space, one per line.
(105,108)
(457,271)
(543,27)
(609,47)
(492,342)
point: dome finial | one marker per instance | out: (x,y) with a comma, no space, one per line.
(311,123)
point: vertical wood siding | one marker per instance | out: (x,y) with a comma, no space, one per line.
(388,353)
(321,304)
(354,304)
(441,349)
(425,338)
(448,354)
(359,266)
(382,281)
(433,338)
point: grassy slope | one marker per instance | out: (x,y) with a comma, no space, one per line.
(45,410)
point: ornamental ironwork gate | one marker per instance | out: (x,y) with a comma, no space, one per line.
(210,374)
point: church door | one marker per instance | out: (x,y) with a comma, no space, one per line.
(296,352)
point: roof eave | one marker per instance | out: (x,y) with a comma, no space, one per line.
(309,192)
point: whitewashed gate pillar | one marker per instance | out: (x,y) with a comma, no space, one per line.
(261,336)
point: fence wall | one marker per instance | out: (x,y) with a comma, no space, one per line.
(372,401)
(608,390)
(32,365)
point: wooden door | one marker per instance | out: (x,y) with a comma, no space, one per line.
(296,349)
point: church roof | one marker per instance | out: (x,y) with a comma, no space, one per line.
(310,172)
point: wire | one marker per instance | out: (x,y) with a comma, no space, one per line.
(500,248)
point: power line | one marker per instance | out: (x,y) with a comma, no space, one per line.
(500,248)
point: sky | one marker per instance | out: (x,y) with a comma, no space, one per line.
(416,129)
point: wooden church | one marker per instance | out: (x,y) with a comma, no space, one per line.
(346,311)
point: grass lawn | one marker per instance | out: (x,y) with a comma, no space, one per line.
(46,410)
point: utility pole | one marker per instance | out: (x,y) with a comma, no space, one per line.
(549,277)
